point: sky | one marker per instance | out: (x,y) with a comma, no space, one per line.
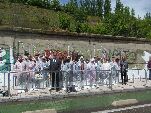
(140,6)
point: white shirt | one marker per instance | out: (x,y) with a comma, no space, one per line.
(19,66)
(106,66)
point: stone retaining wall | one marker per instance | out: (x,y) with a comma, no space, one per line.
(88,45)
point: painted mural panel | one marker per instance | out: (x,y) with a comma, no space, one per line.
(5,59)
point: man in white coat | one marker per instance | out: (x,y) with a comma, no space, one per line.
(91,71)
(19,67)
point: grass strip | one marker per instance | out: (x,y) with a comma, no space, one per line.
(76,103)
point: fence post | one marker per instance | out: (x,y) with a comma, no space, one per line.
(96,81)
(139,75)
(110,79)
(9,84)
(55,80)
(145,75)
(119,76)
(4,81)
(133,77)
(66,80)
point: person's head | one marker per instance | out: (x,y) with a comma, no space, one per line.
(54,55)
(113,58)
(25,58)
(40,56)
(75,61)
(30,57)
(117,60)
(95,59)
(87,61)
(124,58)
(107,59)
(98,59)
(20,59)
(68,59)
(43,59)
(81,58)
(36,56)
(92,60)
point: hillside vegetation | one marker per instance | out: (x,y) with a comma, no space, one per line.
(81,16)
(19,15)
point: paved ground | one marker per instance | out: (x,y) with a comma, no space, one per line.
(139,110)
(146,108)
(45,93)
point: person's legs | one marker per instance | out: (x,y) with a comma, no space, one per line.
(70,79)
(122,77)
(57,81)
(53,80)
(125,78)
(149,74)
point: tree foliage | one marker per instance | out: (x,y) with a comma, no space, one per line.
(64,22)
(119,21)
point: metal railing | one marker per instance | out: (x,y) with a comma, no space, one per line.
(28,80)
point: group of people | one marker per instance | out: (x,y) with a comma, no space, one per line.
(56,70)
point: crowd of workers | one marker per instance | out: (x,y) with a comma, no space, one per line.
(57,65)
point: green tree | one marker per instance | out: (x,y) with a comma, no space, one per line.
(148,15)
(118,7)
(145,27)
(71,6)
(19,1)
(40,3)
(64,21)
(79,15)
(55,5)
(93,7)
(100,8)
(107,8)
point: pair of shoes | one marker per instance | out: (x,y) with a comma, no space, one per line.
(58,89)
(52,88)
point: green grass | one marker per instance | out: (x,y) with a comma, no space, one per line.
(19,15)
(75,103)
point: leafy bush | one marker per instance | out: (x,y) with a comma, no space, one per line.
(64,21)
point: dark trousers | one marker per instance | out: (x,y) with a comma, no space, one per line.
(124,77)
(55,80)
(149,74)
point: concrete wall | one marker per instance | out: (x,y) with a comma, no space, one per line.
(85,44)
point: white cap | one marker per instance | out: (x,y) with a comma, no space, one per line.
(25,57)
(81,57)
(43,57)
(92,59)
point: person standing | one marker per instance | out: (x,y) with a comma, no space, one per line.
(43,68)
(123,68)
(19,69)
(55,67)
(91,72)
(149,67)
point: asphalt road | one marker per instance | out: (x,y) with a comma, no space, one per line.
(138,110)
(145,108)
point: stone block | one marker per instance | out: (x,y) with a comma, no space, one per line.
(124,102)
(42,111)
